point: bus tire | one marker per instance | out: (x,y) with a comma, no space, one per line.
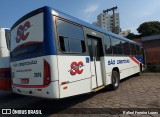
(115,80)
(140,70)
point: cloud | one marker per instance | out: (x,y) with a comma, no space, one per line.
(133,28)
(91,8)
(89,12)
(138,12)
(147,13)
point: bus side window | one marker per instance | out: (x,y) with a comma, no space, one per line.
(107,45)
(71,37)
(133,49)
(64,44)
(116,46)
(90,49)
(126,48)
(138,50)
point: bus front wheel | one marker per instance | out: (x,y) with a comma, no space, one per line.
(115,80)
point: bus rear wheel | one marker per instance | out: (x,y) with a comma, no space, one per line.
(115,80)
(140,70)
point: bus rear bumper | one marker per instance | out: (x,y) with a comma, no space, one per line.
(50,91)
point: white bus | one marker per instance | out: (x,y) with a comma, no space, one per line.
(54,55)
(5,73)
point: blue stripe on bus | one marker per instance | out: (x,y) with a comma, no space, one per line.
(49,41)
(140,59)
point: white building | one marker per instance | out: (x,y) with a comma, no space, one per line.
(106,21)
(124,33)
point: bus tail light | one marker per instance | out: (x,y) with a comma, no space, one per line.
(5,73)
(47,73)
(66,82)
(5,79)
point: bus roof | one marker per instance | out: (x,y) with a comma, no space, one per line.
(71,18)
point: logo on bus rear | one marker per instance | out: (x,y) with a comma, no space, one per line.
(76,68)
(21,35)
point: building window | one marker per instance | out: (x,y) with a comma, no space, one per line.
(70,37)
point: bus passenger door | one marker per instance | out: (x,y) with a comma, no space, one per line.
(95,52)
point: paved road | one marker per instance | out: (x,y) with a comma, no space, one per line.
(135,92)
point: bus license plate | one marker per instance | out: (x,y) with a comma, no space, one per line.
(24,81)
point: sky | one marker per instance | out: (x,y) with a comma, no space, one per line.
(132,12)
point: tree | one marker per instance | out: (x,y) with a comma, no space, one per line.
(132,36)
(149,28)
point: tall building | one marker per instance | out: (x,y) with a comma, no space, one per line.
(108,22)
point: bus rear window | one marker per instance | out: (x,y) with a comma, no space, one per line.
(27,51)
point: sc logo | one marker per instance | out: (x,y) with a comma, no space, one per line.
(76,68)
(20,32)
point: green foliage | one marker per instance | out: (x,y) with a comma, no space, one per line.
(149,28)
(132,36)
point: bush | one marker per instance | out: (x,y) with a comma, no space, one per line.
(153,68)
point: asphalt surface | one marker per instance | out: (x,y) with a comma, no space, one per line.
(136,96)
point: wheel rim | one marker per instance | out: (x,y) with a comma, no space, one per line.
(115,79)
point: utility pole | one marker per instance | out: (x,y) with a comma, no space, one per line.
(112,9)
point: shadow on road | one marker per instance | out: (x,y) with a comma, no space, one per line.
(48,106)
